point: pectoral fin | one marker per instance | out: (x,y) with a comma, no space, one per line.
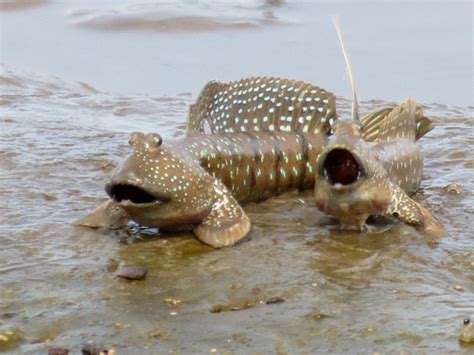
(226,224)
(107,215)
(411,212)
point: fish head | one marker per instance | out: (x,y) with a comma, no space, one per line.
(157,188)
(350,181)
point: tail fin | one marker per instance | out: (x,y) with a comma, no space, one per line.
(377,124)
(262,104)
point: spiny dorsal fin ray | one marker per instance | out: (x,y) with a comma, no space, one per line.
(400,122)
(372,123)
(355,104)
(262,104)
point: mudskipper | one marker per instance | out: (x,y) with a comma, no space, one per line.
(370,167)
(273,131)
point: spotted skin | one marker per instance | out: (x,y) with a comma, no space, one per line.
(262,104)
(200,181)
(390,170)
(261,146)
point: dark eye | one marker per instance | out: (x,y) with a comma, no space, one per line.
(467,321)
(154,139)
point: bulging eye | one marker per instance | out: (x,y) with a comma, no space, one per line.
(467,321)
(135,138)
(154,140)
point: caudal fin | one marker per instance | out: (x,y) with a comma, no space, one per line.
(262,104)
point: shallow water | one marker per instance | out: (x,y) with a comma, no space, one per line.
(343,291)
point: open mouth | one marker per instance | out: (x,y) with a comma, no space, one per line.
(132,193)
(341,167)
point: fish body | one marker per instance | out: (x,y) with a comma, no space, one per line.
(204,178)
(371,167)
(266,135)
(357,179)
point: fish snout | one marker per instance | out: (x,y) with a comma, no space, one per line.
(126,185)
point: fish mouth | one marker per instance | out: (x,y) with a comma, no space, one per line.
(126,193)
(341,167)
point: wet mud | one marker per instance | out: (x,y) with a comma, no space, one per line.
(395,290)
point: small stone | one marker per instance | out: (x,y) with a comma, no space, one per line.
(173,301)
(459,288)
(155,334)
(49,197)
(10,315)
(273,300)
(58,351)
(453,189)
(131,272)
(90,349)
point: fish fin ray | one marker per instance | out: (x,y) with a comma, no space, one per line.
(423,123)
(226,224)
(198,111)
(370,123)
(407,210)
(262,104)
(107,215)
(375,123)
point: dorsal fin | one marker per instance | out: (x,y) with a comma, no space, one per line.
(400,122)
(355,104)
(262,104)
(372,124)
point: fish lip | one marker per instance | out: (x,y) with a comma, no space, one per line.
(339,186)
(128,194)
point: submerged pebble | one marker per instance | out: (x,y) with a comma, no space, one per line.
(452,189)
(234,306)
(131,272)
(8,337)
(273,300)
(92,349)
(58,351)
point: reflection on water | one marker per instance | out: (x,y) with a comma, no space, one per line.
(342,291)
(178,16)
(14,5)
